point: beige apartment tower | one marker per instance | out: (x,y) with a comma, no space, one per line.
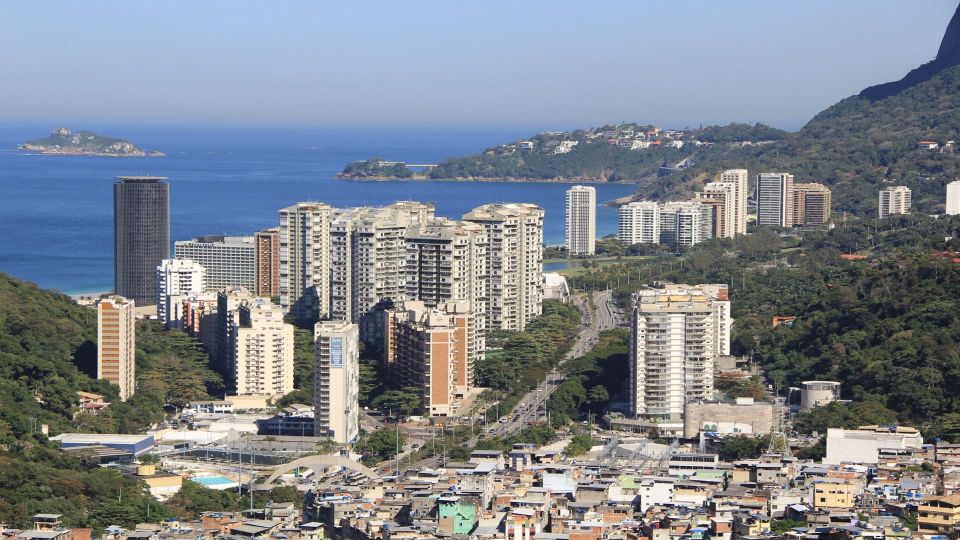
(262,352)
(581,220)
(116,344)
(723,196)
(305,252)
(514,271)
(267,262)
(811,204)
(740,180)
(336,381)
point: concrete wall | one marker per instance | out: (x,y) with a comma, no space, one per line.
(727,418)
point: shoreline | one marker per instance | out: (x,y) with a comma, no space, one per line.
(501,180)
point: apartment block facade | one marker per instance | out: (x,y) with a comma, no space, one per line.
(262,354)
(305,253)
(266,245)
(433,349)
(514,271)
(336,381)
(775,199)
(639,223)
(116,344)
(677,332)
(581,220)
(229,260)
(811,204)
(740,180)
(895,200)
(177,279)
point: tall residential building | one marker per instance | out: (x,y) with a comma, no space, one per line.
(368,261)
(305,252)
(266,262)
(514,273)
(725,215)
(775,199)
(581,220)
(685,223)
(740,180)
(953,198)
(177,279)
(677,333)
(432,349)
(141,235)
(262,356)
(116,343)
(446,261)
(336,381)
(227,318)
(895,200)
(229,260)
(639,223)
(811,204)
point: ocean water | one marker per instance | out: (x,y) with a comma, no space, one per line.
(57,211)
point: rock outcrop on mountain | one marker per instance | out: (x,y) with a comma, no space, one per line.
(948,56)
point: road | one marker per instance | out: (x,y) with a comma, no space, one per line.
(532,407)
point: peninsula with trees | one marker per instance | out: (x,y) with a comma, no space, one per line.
(63,142)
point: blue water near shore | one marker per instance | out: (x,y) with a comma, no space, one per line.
(56,212)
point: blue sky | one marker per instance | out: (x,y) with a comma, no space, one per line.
(543,63)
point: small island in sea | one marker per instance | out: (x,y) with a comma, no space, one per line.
(378,169)
(84,143)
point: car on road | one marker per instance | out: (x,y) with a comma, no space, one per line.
(503,419)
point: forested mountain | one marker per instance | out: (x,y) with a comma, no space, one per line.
(47,353)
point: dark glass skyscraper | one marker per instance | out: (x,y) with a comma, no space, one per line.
(141,235)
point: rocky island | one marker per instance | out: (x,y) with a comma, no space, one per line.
(84,143)
(377,169)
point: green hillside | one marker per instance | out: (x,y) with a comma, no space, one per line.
(47,347)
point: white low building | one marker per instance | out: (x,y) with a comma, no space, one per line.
(863,445)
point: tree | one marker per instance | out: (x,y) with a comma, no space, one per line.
(380,445)
(400,402)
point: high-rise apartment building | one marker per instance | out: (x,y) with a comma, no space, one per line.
(723,195)
(266,262)
(894,200)
(581,220)
(740,180)
(336,381)
(953,198)
(116,343)
(514,272)
(677,332)
(639,223)
(368,260)
(446,262)
(305,253)
(229,260)
(775,199)
(811,204)
(227,318)
(685,223)
(262,355)
(177,279)
(141,235)
(432,349)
